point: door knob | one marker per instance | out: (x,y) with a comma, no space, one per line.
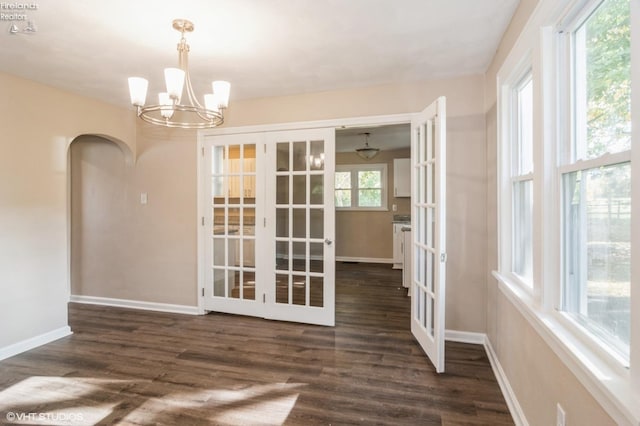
(328,241)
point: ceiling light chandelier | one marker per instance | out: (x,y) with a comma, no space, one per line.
(367,152)
(170,111)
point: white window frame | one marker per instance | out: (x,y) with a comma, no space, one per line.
(519,176)
(509,134)
(354,169)
(606,378)
(570,159)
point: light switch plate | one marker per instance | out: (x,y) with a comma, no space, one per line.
(143,198)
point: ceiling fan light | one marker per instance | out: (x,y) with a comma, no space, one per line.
(138,90)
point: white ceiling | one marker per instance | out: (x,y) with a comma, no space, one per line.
(263,47)
(382,137)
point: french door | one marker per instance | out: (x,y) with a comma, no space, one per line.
(300,186)
(269,227)
(233,166)
(428,180)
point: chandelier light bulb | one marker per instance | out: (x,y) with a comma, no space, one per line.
(174,79)
(210,102)
(221,90)
(138,90)
(164,99)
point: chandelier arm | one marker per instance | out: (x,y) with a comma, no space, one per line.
(193,100)
(150,115)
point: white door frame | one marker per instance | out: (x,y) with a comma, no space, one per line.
(366,121)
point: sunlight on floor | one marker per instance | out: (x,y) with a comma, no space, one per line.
(48,400)
(257,404)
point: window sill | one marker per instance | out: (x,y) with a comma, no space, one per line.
(609,387)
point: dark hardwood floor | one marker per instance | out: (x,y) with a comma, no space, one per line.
(126,366)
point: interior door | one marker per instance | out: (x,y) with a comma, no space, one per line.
(233,165)
(301,226)
(428,180)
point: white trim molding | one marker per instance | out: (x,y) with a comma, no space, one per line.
(465,337)
(507,391)
(136,304)
(505,387)
(34,342)
(607,386)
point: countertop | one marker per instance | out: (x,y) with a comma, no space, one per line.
(401,218)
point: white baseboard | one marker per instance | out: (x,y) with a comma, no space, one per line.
(363,259)
(465,337)
(34,342)
(136,304)
(510,397)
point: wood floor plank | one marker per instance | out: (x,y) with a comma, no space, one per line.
(130,367)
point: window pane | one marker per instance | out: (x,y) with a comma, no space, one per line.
(603,81)
(360,186)
(369,179)
(369,198)
(343,180)
(523,230)
(524,162)
(596,251)
(343,198)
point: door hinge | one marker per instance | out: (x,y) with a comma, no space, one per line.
(443,257)
(264,224)
(264,147)
(202,220)
(202,291)
(203,151)
(264,298)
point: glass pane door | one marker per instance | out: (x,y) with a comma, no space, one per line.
(234,204)
(428,228)
(301,205)
(268,225)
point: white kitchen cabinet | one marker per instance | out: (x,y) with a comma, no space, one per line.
(236,172)
(406,269)
(402,177)
(398,245)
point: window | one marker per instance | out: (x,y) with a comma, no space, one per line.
(565,192)
(522,181)
(595,179)
(361,187)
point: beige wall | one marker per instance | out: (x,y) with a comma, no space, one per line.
(369,234)
(538,377)
(121,248)
(38,124)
